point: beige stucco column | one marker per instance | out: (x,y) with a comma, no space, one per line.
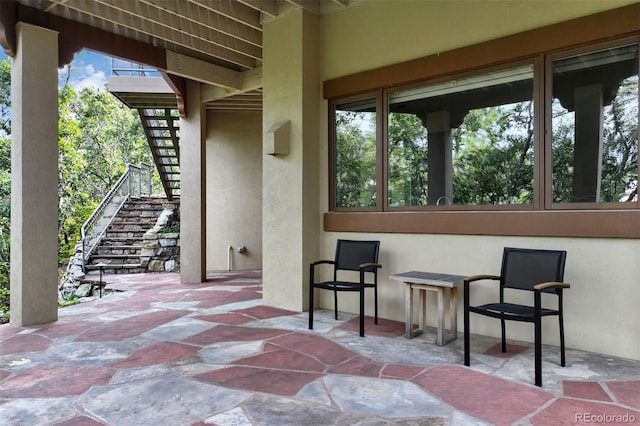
(193,215)
(34,177)
(291,217)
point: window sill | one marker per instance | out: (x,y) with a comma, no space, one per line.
(574,223)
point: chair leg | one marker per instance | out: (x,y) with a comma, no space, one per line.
(561,327)
(361,311)
(466,325)
(375,301)
(562,357)
(504,336)
(335,303)
(538,339)
(311,305)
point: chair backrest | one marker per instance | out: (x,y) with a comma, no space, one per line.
(350,254)
(524,268)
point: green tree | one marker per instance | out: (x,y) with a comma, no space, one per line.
(5,178)
(355,159)
(619,178)
(620,158)
(5,209)
(408,154)
(5,182)
(98,138)
(5,96)
(493,158)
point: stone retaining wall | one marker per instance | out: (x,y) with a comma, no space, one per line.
(161,250)
(160,253)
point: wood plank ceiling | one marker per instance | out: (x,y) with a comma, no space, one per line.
(217,42)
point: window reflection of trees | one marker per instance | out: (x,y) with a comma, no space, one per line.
(619,178)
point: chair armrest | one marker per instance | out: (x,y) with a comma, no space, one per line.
(319,262)
(370,265)
(551,284)
(481,277)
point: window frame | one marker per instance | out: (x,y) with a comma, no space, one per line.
(548,160)
(537,100)
(333,152)
(544,220)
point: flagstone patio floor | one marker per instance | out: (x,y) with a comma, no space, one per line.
(158,352)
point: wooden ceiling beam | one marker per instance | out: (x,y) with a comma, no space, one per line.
(250,80)
(146,16)
(233,10)
(116,15)
(204,72)
(74,36)
(8,20)
(198,14)
(312,6)
(268,7)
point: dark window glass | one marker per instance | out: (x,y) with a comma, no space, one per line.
(595,127)
(466,142)
(355,154)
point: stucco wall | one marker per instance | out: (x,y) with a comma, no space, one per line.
(291,92)
(602,312)
(234,189)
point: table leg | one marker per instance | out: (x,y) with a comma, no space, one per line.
(409,311)
(423,310)
(440,336)
(453,307)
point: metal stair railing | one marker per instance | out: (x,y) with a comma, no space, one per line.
(135,182)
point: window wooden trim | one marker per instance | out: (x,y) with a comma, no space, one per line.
(537,99)
(615,23)
(332,150)
(548,160)
(543,223)
(608,221)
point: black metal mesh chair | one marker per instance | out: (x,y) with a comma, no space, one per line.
(537,271)
(361,256)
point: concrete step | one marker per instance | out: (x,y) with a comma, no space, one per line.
(139,214)
(121,247)
(123,268)
(118,246)
(108,251)
(116,256)
(123,240)
(129,227)
(131,233)
(134,220)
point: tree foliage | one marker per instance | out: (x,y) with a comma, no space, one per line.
(619,180)
(5,176)
(408,153)
(356,159)
(493,155)
(5,97)
(98,137)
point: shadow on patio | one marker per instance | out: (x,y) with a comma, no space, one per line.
(159,352)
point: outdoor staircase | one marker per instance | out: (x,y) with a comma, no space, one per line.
(161,126)
(120,250)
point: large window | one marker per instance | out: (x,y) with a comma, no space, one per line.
(355,154)
(558,131)
(595,126)
(467,141)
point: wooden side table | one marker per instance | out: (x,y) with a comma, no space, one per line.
(430,281)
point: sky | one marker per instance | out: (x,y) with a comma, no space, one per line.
(88,69)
